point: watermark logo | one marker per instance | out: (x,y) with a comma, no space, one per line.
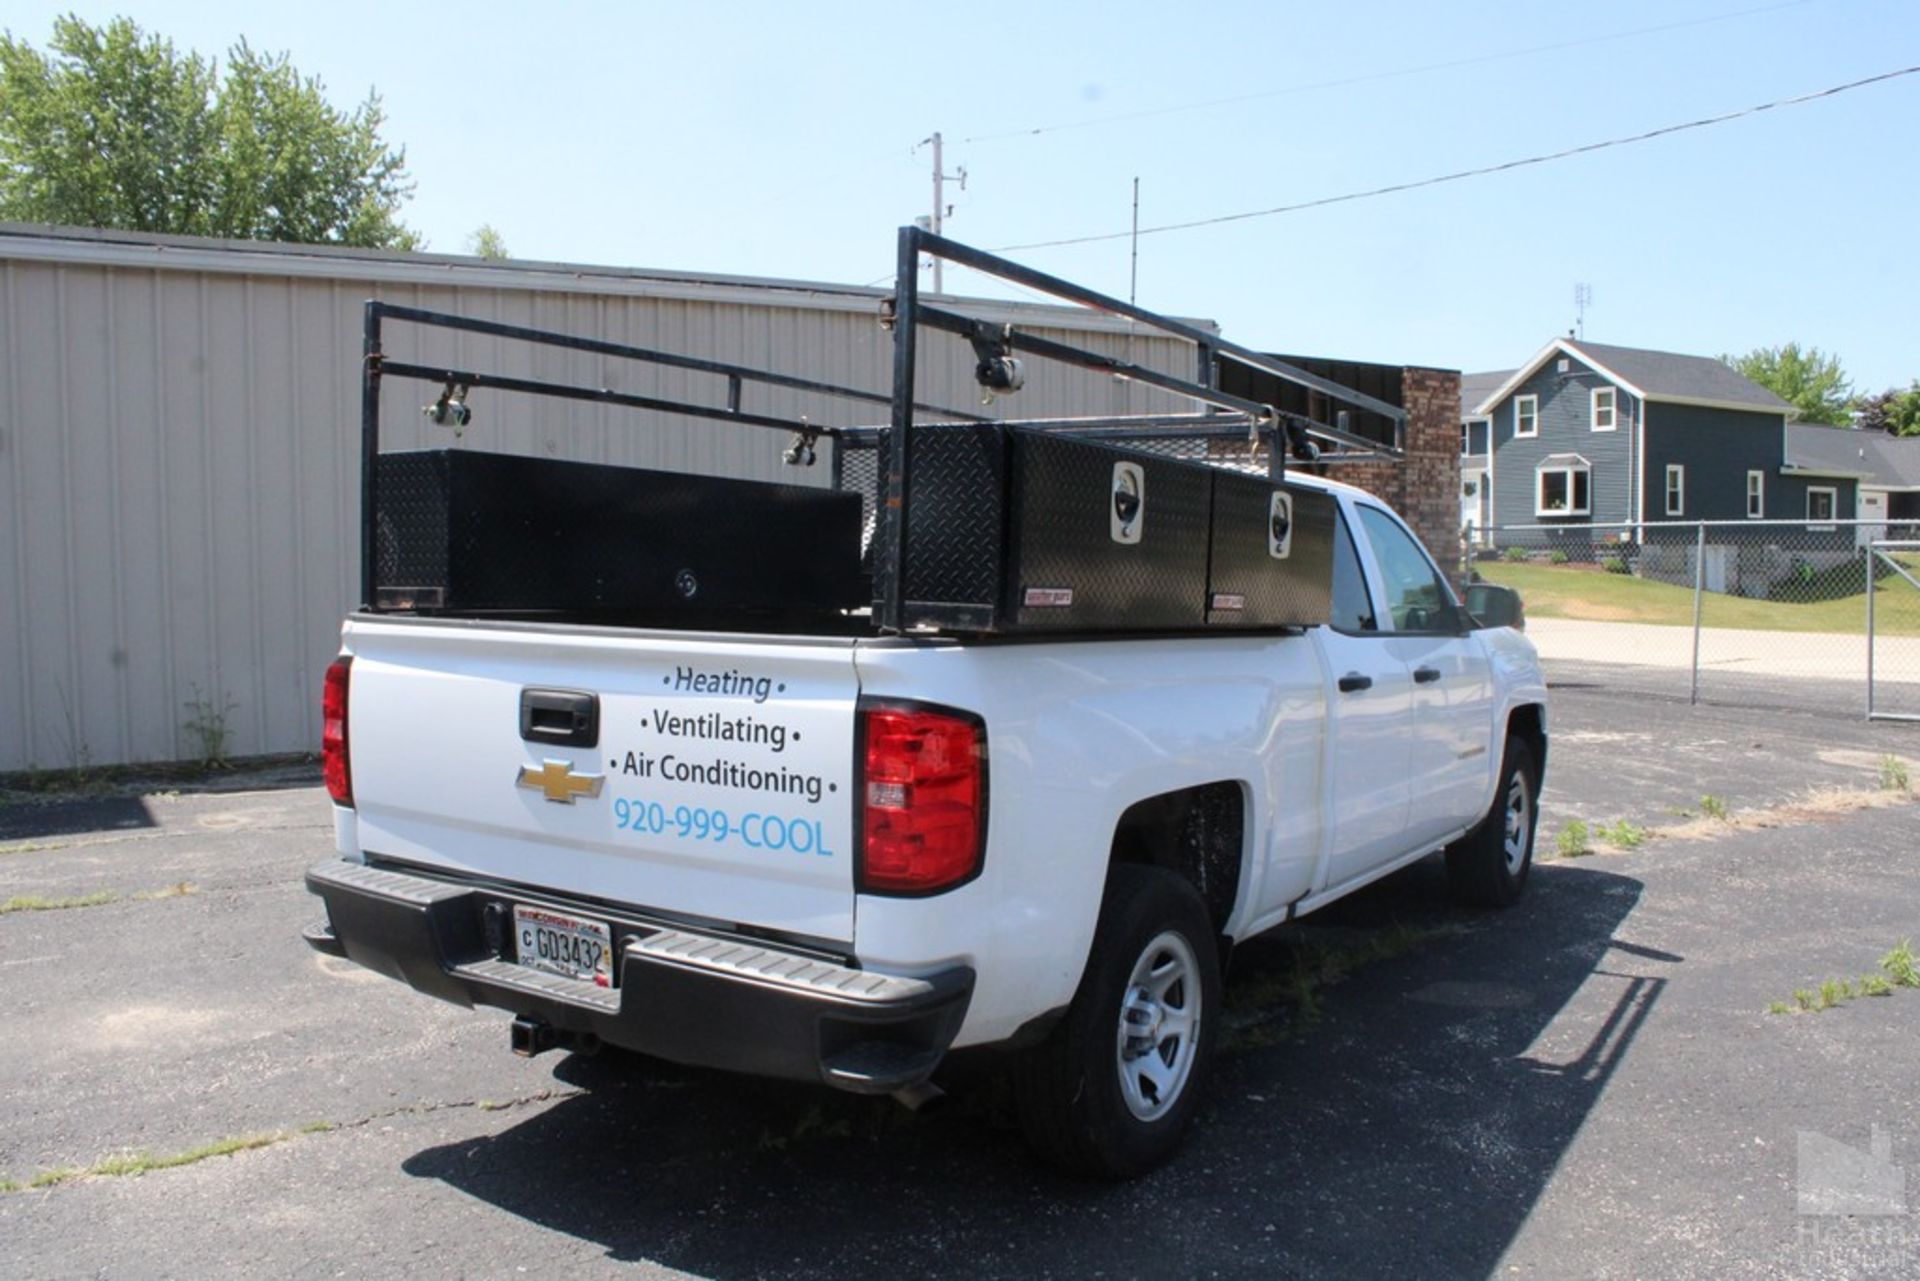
(1832,1178)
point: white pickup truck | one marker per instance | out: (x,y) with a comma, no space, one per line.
(835,858)
(838,855)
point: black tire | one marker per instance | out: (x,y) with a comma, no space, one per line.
(1488,867)
(1069,1091)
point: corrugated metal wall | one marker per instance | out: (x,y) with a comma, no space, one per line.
(179,436)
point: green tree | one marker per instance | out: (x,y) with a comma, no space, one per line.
(112,127)
(1893,411)
(487,242)
(1809,380)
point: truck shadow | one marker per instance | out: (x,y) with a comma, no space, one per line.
(1384,1115)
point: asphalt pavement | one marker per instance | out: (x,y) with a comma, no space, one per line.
(1587,1085)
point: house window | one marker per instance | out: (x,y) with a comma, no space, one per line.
(1820,506)
(1603,408)
(1676,489)
(1466,439)
(1563,486)
(1756,495)
(1526,415)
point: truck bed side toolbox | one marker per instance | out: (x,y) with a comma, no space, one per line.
(464,530)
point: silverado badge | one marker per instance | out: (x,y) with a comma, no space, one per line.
(559,782)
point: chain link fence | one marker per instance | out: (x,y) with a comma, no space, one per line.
(1763,613)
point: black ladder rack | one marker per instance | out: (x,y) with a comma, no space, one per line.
(883,454)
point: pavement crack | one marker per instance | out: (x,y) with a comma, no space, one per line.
(455,1105)
(128,1163)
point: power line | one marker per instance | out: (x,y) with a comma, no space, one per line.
(1371,77)
(1471,173)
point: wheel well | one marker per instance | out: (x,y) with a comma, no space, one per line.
(1527,724)
(1197,833)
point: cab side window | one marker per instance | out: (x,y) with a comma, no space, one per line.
(1352,607)
(1417,598)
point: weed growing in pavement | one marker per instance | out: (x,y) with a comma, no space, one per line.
(36,903)
(1899,968)
(1573,840)
(1713,807)
(207,729)
(813,1124)
(1893,774)
(1624,835)
(1255,1002)
(142,1162)
(99,898)
(1900,964)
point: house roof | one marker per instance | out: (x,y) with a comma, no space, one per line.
(1475,388)
(1879,460)
(1661,376)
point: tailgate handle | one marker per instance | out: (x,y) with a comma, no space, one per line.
(561,717)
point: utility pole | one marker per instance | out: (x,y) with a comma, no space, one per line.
(1133,268)
(940,207)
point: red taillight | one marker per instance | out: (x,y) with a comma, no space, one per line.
(333,732)
(924,802)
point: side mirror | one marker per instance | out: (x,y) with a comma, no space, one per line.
(1495,606)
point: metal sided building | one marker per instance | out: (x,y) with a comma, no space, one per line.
(180,436)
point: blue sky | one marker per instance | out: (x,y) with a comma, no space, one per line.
(779,140)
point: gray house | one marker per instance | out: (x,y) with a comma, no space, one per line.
(1588,434)
(1885,470)
(1476,452)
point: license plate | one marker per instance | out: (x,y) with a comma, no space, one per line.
(569,946)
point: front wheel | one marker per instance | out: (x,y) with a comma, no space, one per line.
(1112,1091)
(1488,866)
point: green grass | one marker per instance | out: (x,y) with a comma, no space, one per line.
(1555,591)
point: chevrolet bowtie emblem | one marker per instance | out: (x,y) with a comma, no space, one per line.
(559,782)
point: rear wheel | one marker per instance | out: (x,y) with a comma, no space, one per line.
(1112,1091)
(1488,867)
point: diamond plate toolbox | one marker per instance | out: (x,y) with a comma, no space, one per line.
(1015,530)
(463,530)
(1272,554)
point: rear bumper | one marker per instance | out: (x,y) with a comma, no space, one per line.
(680,995)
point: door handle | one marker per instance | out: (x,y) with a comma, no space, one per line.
(560,717)
(1425,675)
(1354,682)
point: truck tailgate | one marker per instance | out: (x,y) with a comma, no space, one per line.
(719,783)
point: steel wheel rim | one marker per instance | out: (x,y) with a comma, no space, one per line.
(1519,820)
(1154,1048)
